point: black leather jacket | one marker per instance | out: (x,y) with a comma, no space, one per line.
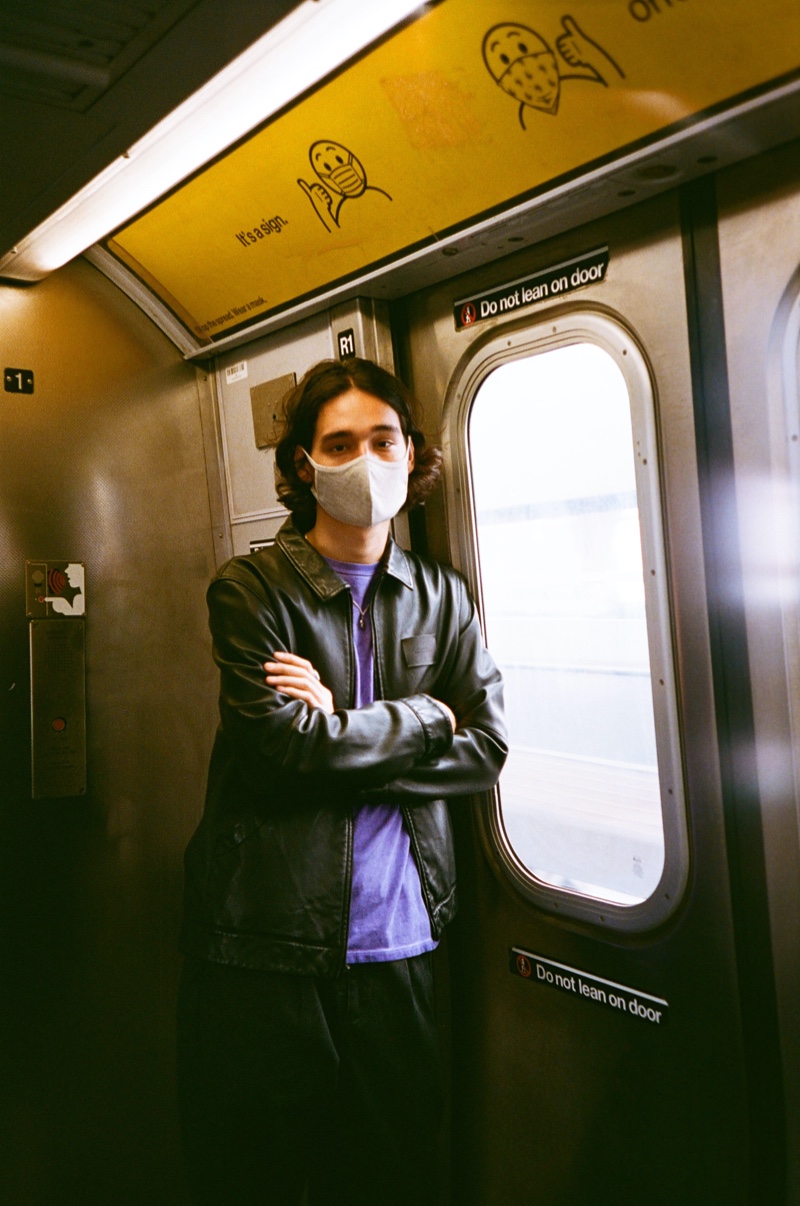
(268,869)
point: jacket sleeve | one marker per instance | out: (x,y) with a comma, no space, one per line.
(473,687)
(276,737)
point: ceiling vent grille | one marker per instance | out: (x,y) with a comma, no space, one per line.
(68,54)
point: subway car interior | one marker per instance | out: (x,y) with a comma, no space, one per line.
(573,230)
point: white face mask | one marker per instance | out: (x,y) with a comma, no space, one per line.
(364,492)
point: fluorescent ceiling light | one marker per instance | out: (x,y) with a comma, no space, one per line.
(296,54)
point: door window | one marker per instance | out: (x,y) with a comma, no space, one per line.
(556,493)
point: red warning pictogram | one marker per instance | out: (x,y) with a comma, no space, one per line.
(468,314)
(524,966)
(56,580)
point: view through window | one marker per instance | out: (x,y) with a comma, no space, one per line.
(553,469)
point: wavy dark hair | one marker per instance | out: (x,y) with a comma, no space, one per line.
(322,383)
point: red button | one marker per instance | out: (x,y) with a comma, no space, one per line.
(59,724)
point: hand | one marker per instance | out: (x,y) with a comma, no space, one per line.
(295,676)
(450,713)
(318,195)
(323,203)
(577,49)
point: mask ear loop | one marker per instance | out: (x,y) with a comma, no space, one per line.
(307,455)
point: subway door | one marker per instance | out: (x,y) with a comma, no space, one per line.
(614,1035)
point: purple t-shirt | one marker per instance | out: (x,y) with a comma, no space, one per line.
(388,918)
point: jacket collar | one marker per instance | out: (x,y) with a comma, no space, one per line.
(318,574)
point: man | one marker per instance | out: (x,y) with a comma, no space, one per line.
(356,698)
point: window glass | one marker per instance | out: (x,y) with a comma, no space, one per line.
(553,473)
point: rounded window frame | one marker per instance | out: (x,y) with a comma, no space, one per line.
(514,342)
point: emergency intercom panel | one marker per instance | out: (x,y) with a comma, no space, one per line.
(55,606)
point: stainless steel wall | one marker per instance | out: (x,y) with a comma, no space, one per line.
(102,464)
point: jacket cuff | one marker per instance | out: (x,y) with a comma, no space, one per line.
(435,724)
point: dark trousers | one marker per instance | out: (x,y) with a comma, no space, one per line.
(290,1083)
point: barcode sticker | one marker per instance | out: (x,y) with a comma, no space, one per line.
(236,372)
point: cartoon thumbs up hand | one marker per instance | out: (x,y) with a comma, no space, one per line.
(578,50)
(573,44)
(322,201)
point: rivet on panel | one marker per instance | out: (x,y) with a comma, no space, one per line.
(657,171)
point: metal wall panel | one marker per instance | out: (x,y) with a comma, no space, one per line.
(103,464)
(759,237)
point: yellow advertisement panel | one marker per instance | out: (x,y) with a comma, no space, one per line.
(475,103)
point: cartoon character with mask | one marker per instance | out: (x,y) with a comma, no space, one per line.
(523,64)
(357,698)
(342,176)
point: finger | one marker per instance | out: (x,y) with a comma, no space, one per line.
(279,676)
(274,676)
(293,659)
(320,698)
(297,682)
(288,668)
(571,26)
(291,685)
(571,55)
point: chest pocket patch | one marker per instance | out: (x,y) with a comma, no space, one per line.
(419,650)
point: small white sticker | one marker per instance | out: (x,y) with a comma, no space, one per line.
(70,584)
(236,372)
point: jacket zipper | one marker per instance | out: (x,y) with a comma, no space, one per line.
(351,817)
(349,831)
(376,661)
